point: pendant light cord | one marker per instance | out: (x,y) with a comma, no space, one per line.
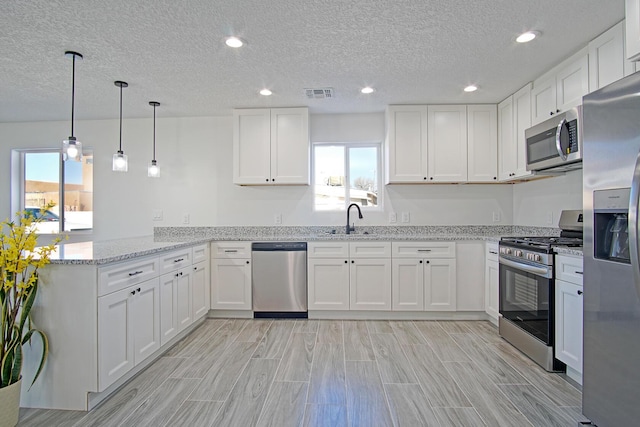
(154,132)
(120,118)
(73,90)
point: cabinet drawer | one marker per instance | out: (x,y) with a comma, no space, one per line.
(423,249)
(175,260)
(328,250)
(200,253)
(370,249)
(115,277)
(231,250)
(569,269)
(491,250)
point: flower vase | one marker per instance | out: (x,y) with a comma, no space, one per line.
(10,404)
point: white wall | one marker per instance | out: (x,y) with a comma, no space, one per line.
(195,158)
(539,203)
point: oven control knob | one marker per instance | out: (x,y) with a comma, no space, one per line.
(518,253)
(508,251)
(538,258)
(531,257)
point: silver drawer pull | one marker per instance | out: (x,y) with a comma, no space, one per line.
(178,260)
(424,250)
(578,272)
(230,251)
(135,273)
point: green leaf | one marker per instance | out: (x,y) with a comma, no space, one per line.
(28,303)
(7,363)
(17,365)
(45,351)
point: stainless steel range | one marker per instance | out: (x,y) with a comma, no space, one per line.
(527,289)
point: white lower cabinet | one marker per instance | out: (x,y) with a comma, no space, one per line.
(440,285)
(568,311)
(231,284)
(407,284)
(128,329)
(328,283)
(491,279)
(370,284)
(200,289)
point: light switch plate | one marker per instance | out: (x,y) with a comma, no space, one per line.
(405,217)
(393,218)
(496,217)
(185,218)
(157,214)
(277,218)
(549,218)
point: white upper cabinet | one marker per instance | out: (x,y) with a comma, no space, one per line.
(514,116)
(482,152)
(271,146)
(607,62)
(632,34)
(561,88)
(447,148)
(406,143)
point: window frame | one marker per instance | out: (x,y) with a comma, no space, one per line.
(346,146)
(18,187)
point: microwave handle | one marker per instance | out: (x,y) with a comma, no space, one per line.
(561,153)
(633,225)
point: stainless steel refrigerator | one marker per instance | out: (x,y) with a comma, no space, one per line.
(611,181)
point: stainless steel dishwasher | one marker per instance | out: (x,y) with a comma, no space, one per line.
(279,279)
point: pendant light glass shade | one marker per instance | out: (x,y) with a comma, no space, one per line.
(71,147)
(153,171)
(120,160)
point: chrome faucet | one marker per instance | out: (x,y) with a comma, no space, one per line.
(351,228)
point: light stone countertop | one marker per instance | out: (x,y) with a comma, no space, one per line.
(170,238)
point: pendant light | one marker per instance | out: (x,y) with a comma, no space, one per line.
(72,148)
(120,161)
(154,170)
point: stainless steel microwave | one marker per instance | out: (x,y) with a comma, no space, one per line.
(555,145)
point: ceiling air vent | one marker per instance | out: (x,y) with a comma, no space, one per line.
(322,93)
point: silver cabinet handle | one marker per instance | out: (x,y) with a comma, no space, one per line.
(563,156)
(135,273)
(178,260)
(633,224)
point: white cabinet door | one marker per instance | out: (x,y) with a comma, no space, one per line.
(482,137)
(507,151)
(146,319)
(492,292)
(543,99)
(252,146)
(200,289)
(632,33)
(521,122)
(290,146)
(168,307)
(569,324)
(407,284)
(607,62)
(183,299)
(231,284)
(572,83)
(328,283)
(370,284)
(447,147)
(406,144)
(115,336)
(440,285)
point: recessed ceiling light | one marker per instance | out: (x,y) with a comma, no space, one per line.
(233,41)
(265,92)
(367,90)
(527,37)
(471,88)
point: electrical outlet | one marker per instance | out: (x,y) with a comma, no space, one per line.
(185,218)
(393,218)
(277,218)
(157,214)
(550,218)
(405,216)
(496,217)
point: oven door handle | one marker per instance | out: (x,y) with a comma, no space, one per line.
(634,200)
(540,271)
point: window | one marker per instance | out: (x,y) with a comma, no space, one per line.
(346,173)
(42,178)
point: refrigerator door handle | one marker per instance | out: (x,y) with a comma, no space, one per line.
(634,199)
(562,154)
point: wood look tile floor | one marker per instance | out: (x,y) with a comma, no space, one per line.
(283,373)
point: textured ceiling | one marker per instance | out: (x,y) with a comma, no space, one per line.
(172,51)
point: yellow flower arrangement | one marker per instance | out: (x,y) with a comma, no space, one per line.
(20,260)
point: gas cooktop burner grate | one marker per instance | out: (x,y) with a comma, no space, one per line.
(545,241)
